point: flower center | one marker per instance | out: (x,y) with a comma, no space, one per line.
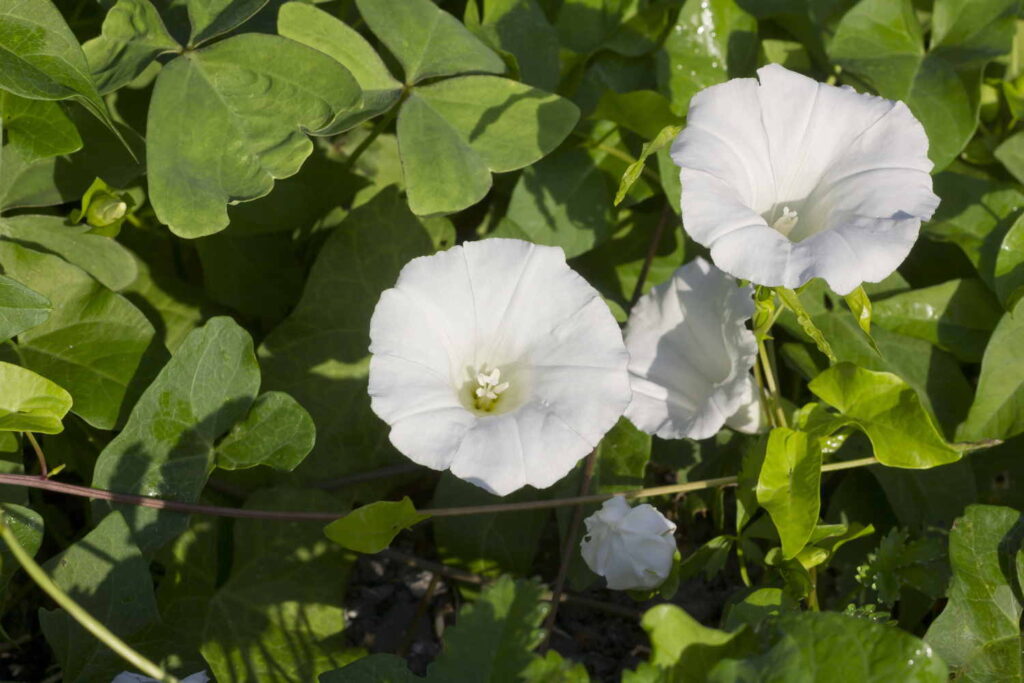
(787,221)
(489,389)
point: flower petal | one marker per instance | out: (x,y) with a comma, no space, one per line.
(690,353)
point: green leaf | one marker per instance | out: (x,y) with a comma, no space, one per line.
(277,432)
(1010,153)
(488,543)
(27,526)
(371,528)
(214,138)
(978,633)
(36,128)
(278,617)
(21,308)
(898,562)
(520,28)
(889,412)
(665,136)
(133,35)
(427,41)
(645,112)
(957,316)
(585,25)
(40,59)
(792,301)
(684,651)
(95,343)
(319,354)
(106,575)
(622,458)
(761,604)
(860,306)
(31,403)
(1009,268)
(314,27)
(378,668)
(104,259)
(453,134)
(711,41)
(835,647)
(998,408)
(881,41)
(166,449)
(789,486)
(211,18)
(563,201)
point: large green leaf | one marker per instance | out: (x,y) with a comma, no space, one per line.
(789,486)
(36,128)
(104,573)
(710,42)
(95,343)
(277,432)
(834,647)
(881,41)
(998,408)
(211,18)
(319,354)
(454,133)
(978,633)
(564,201)
(311,26)
(21,308)
(30,403)
(133,36)
(166,449)
(226,120)
(40,58)
(279,616)
(957,316)
(889,412)
(427,41)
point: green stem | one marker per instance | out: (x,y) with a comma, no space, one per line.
(383,123)
(812,597)
(776,412)
(80,615)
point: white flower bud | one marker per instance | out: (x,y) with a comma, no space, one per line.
(631,548)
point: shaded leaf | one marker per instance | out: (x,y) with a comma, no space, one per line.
(519,27)
(27,526)
(277,432)
(998,408)
(1009,268)
(36,128)
(211,18)
(133,35)
(21,308)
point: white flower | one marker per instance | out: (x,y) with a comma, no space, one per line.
(631,548)
(790,179)
(127,677)
(495,360)
(691,355)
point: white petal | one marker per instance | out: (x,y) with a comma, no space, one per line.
(690,353)
(749,417)
(507,321)
(632,548)
(852,165)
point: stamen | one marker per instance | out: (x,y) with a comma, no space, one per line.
(490,388)
(787,221)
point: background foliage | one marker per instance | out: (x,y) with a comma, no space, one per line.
(201,201)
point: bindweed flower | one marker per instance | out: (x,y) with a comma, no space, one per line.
(788,179)
(495,360)
(632,548)
(691,355)
(128,677)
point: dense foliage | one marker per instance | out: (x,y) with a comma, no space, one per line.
(201,202)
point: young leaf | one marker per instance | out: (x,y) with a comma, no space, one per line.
(427,41)
(211,18)
(889,412)
(214,139)
(319,30)
(371,528)
(448,153)
(633,171)
(979,633)
(789,486)
(792,301)
(167,446)
(860,306)
(30,403)
(21,308)
(998,408)
(277,432)
(133,35)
